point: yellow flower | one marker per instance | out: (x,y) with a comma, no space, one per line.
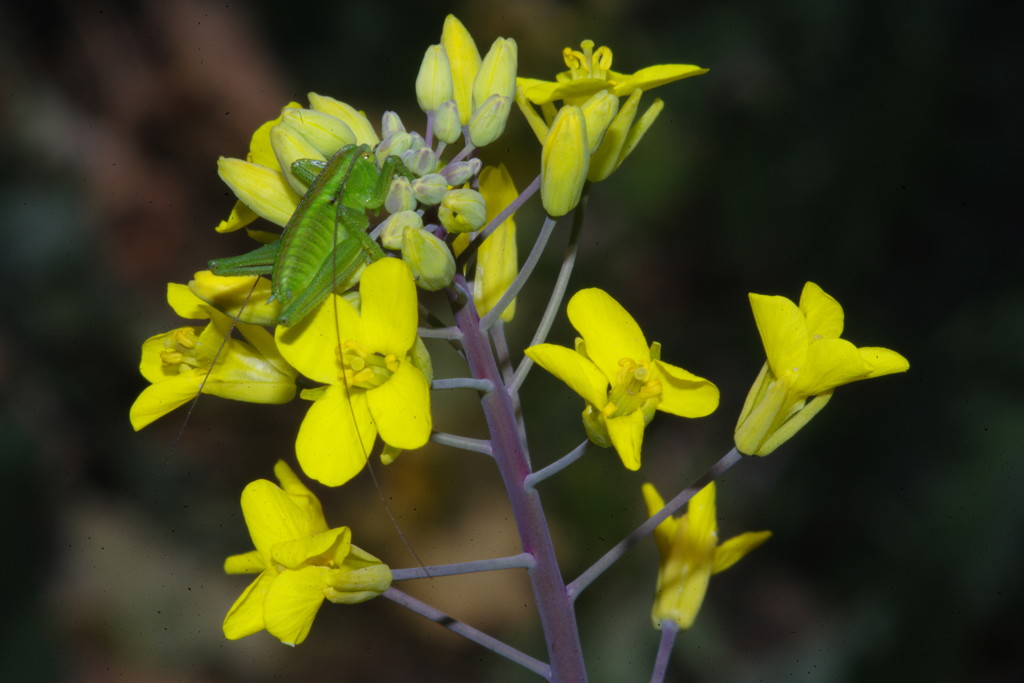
(178,362)
(589,75)
(300,561)
(376,381)
(690,554)
(806,360)
(621,379)
(590,71)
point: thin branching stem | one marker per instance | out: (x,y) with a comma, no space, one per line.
(558,292)
(520,561)
(524,273)
(619,549)
(463,383)
(558,465)
(464,442)
(554,605)
(514,205)
(466,631)
(439,333)
(669,631)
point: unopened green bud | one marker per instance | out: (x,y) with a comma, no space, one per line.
(325,132)
(461,172)
(393,145)
(420,161)
(392,230)
(417,141)
(430,189)
(447,126)
(290,145)
(497,74)
(390,124)
(429,258)
(488,121)
(434,81)
(599,111)
(354,119)
(564,161)
(462,210)
(400,196)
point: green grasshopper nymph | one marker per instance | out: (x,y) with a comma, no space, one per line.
(325,241)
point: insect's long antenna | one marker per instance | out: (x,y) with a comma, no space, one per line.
(209,370)
(344,383)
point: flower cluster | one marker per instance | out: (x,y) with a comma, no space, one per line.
(367,220)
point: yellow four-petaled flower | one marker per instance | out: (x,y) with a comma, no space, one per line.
(301,562)
(622,379)
(806,361)
(375,369)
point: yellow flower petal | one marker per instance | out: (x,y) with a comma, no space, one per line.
(783,332)
(311,345)
(246,616)
(162,397)
(684,393)
(580,373)
(823,313)
(610,332)
(401,408)
(336,436)
(664,532)
(653,77)
(389,307)
(245,563)
(627,435)
(882,361)
(736,548)
(292,603)
(320,548)
(271,516)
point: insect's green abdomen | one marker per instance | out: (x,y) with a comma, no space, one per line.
(317,224)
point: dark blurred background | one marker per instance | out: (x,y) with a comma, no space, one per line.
(868,146)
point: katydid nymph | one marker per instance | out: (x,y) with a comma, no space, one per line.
(324,244)
(325,241)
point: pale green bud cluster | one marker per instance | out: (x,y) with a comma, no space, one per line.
(460,91)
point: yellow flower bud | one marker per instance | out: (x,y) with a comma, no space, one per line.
(599,111)
(564,162)
(354,119)
(434,81)
(464,59)
(497,75)
(326,133)
(262,189)
(447,125)
(290,145)
(488,122)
